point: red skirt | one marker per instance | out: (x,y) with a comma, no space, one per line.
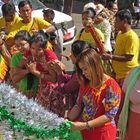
(133,132)
(106,132)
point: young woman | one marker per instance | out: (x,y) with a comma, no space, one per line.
(19,79)
(34,61)
(88,17)
(98,101)
(68,84)
(102,23)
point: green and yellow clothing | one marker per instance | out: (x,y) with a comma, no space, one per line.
(126,43)
(3,68)
(10,26)
(86,36)
(16,58)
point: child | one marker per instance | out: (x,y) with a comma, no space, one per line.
(56,38)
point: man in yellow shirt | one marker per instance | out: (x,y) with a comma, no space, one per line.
(9,18)
(29,23)
(126,49)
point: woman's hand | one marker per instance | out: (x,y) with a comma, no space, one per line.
(57,66)
(32,67)
(106,56)
(78,125)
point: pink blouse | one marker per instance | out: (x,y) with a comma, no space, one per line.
(134,95)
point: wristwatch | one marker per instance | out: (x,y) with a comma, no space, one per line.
(87,126)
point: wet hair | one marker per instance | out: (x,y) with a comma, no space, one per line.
(22,35)
(78,46)
(40,37)
(23,3)
(90,12)
(49,12)
(90,57)
(8,8)
(124,14)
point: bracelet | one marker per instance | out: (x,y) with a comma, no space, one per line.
(87,126)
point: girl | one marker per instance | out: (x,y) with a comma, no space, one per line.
(34,62)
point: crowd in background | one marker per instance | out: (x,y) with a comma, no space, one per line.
(102,93)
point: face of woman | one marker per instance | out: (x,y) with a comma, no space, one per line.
(36,50)
(86,21)
(26,13)
(85,70)
(22,45)
(88,72)
(98,19)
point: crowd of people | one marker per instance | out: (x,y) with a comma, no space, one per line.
(102,93)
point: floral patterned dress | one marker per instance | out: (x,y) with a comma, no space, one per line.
(47,96)
(96,102)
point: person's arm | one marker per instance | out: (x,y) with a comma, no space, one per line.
(122,58)
(130,49)
(17,74)
(69,85)
(19,70)
(50,75)
(74,112)
(50,28)
(5,52)
(111,103)
(90,124)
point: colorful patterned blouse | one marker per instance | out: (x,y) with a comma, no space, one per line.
(103,100)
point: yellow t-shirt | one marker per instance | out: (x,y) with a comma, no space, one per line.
(86,36)
(10,26)
(126,43)
(35,24)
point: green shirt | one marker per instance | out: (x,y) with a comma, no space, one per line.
(16,58)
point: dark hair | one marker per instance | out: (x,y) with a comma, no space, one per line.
(22,35)
(78,46)
(49,12)
(90,12)
(23,3)
(110,5)
(40,37)
(90,57)
(8,8)
(124,14)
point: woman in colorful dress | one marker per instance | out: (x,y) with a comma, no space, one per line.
(98,100)
(20,78)
(68,84)
(34,61)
